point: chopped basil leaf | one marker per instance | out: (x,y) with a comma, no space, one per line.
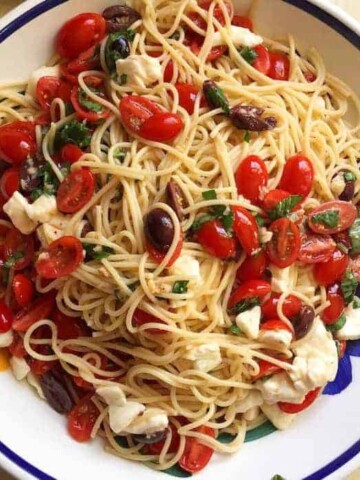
(180,286)
(73,132)
(133,286)
(348,286)
(329,218)
(123,79)
(260,221)
(175,35)
(235,330)
(50,182)
(209,195)
(277,477)
(112,54)
(12,259)
(97,252)
(228,221)
(215,97)
(338,325)
(356,303)
(119,154)
(247,136)
(249,54)
(199,222)
(218,210)
(354,233)
(342,247)
(118,295)
(284,207)
(244,305)
(89,104)
(349,177)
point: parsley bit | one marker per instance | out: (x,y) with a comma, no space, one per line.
(97,252)
(180,286)
(11,261)
(284,207)
(329,218)
(244,305)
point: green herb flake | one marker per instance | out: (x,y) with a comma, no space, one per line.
(175,35)
(354,234)
(111,54)
(215,97)
(348,286)
(180,286)
(209,195)
(247,136)
(284,207)
(244,305)
(329,218)
(133,286)
(260,221)
(338,325)
(277,477)
(12,259)
(356,303)
(199,222)
(342,247)
(349,177)
(228,221)
(73,132)
(235,330)
(249,54)
(118,295)
(88,103)
(97,252)
(123,79)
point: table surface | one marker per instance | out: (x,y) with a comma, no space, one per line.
(352,6)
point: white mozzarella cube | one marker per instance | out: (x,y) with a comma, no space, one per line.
(206,357)
(276,338)
(252,399)
(277,417)
(151,421)
(6,339)
(240,37)
(17,209)
(249,322)
(43,209)
(140,70)
(120,417)
(351,329)
(112,395)
(19,368)
(39,73)
(280,388)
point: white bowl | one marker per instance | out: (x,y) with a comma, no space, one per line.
(325,441)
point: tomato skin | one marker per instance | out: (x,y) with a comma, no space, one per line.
(279,66)
(347,216)
(215,240)
(10,182)
(40,367)
(141,317)
(15,145)
(246,230)
(40,309)
(84,114)
(16,242)
(218,13)
(298,176)
(82,419)
(262,61)
(162,127)
(61,258)
(249,289)
(196,455)
(331,271)
(68,327)
(251,177)
(283,249)
(88,60)
(253,267)
(187,96)
(169,71)
(156,448)
(196,42)
(291,306)
(47,89)
(332,313)
(273,197)
(23,289)
(79,34)
(244,22)
(135,110)
(316,248)
(299,407)
(275,324)
(266,369)
(17,348)
(310,76)
(6,317)
(71,153)
(158,257)
(75,191)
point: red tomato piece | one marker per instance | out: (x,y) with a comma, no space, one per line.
(279,66)
(75,191)
(253,267)
(290,308)
(262,61)
(18,245)
(82,419)
(310,76)
(249,289)
(68,327)
(40,367)
(69,77)
(275,324)
(299,407)
(169,71)
(88,60)
(162,127)
(215,240)
(79,34)
(158,257)
(196,42)
(273,197)
(82,111)
(218,13)
(6,317)
(70,153)
(61,258)
(10,182)
(197,455)
(284,247)
(135,110)
(244,22)
(251,177)
(316,248)
(40,309)
(298,176)
(23,289)
(331,271)
(346,215)
(187,96)
(17,348)
(332,313)
(156,448)
(141,317)
(47,89)
(266,369)
(246,230)
(16,143)
(43,119)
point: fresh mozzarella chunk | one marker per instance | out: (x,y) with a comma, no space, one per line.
(206,357)
(187,266)
(140,70)
(351,329)
(265,235)
(277,417)
(19,367)
(33,381)
(39,73)
(112,395)
(151,421)
(337,185)
(249,322)
(43,209)
(6,339)
(17,209)
(240,36)
(252,399)
(281,280)
(280,388)
(320,104)
(277,338)
(251,414)
(120,417)
(47,234)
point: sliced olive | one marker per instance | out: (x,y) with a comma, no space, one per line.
(55,393)
(159,229)
(303,322)
(120,17)
(348,193)
(30,172)
(246,117)
(175,199)
(152,438)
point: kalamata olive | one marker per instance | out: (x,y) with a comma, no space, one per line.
(55,393)
(122,46)
(87,228)
(246,117)
(152,438)
(344,238)
(303,322)
(348,193)
(159,229)
(175,199)
(30,177)
(120,17)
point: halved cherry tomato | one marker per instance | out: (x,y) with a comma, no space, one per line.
(196,42)
(156,448)
(43,119)
(251,177)
(17,348)
(141,317)
(279,66)
(6,317)
(40,309)
(61,258)
(283,249)
(40,367)
(10,182)
(82,110)
(169,71)
(68,327)
(47,89)
(75,191)
(158,257)
(266,369)
(275,324)
(162,127)
(273,197)
(246,230)
(79,34)
(346,215)
(197,455)
(298,176)
(244,22)
(253,267)
(218,13)
(88,60)
(215,240)
(332,313)
(17,244)
(23,289)
(299,407)
(249,289)
(333,269)
(310,76)
(82,419)
(262,61)
(70,153)
(2,203)
(316,248)
(17,142)
(135,110)
(290,308)
(187,96)
(69,77)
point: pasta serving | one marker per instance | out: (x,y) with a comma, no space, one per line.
(179,233)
